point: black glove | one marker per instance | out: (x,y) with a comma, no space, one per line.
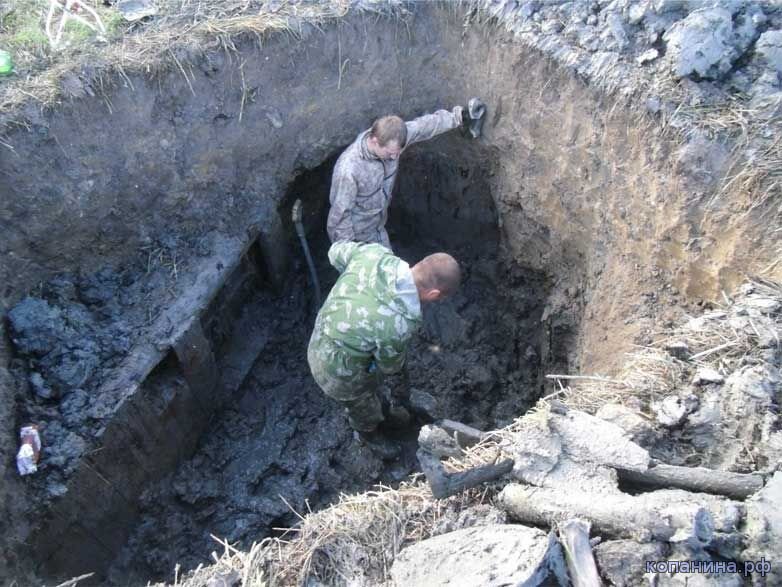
(473,116)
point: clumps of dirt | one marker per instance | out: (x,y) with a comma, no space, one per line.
(716,48)
(70,335)
(280,447)
(67,336)
(71,332)
(478,357)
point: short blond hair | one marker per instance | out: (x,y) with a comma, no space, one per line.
(387,129)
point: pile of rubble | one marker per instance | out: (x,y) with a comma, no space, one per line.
(714,48)
(572,471)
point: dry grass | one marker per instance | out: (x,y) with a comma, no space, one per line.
(182,30)
(755,134)
(354,541)
(651,372)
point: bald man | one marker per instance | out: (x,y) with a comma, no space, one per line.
(366,324)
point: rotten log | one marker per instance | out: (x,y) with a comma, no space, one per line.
(465,436)
(574,536)
(445,484)
(699,479)
(643,517)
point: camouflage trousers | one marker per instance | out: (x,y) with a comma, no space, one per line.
(358,393)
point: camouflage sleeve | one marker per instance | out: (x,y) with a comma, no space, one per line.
(342,197)
(428,126)
(391,353)
(341,252)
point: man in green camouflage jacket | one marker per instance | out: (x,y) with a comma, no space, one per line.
(367,321)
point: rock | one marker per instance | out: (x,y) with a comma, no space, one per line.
(133,10)
(647,56)
(671,411)
(639,429)
(438,442)
(678,349)
(477,515)
(729,422)
(666,6)
(536,451)
(762,304)
(40,388)
(769,48)
(763,528)
(589,439)
(622,562)
(705,376)
(702,44)
(519,556)
(425,404)
(636,13)
(35,326)
(550,449)
(616,26)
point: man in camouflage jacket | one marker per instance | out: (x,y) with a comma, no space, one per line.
(366,323)
(365,173)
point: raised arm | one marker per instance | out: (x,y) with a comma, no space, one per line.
(429,126)
(342,197)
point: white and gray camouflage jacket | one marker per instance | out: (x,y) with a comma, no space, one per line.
(361,185)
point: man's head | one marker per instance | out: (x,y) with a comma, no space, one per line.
(387,137)
(436,277)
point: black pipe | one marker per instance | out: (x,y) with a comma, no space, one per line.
(297,221)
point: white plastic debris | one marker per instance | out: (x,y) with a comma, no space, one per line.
(705,376)
(670,412)
(27,457)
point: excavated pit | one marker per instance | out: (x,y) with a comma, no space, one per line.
(158,307)
(282,437)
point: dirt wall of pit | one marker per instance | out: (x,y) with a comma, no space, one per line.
(591,191)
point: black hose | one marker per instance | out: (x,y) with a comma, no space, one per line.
(297,221)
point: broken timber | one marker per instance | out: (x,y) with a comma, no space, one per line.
(635,517)
(445,484)
(574,536)
(699,479)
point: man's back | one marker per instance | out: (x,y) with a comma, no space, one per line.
(368,315)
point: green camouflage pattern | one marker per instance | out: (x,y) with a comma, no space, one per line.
(362,321)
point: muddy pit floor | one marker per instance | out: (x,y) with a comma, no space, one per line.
(281,445)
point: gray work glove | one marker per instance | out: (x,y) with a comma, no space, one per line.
(473,116)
